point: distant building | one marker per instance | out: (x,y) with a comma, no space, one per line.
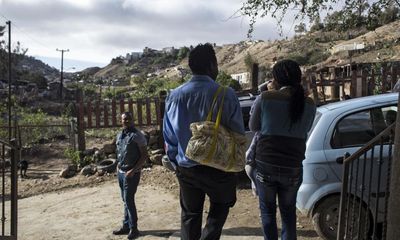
(347,47)
(242,78)
(149,51)
(133,56)
(168,50)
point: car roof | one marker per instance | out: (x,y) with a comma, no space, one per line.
(360,102)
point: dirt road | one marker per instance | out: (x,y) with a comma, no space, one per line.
(93,212)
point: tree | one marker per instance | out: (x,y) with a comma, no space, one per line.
(249,61)
(226,80)
(183,52)
(304,9)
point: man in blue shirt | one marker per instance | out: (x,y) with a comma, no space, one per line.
(131,155)
(187,104)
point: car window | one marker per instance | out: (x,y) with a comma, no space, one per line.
(358,128)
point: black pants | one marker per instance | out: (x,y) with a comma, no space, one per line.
(195,183)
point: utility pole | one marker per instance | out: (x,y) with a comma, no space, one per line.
(62,75)
(9,80)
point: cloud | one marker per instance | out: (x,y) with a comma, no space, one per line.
(100,30)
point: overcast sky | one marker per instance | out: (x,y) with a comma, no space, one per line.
(95,31)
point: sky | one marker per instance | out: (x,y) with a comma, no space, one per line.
(95,31)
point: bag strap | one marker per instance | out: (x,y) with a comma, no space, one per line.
(219,115)
(216,127)
(210,112)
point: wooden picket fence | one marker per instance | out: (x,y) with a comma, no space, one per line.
(332,83)
(106,114)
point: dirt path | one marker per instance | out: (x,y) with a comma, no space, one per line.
(89,208)
(93,212)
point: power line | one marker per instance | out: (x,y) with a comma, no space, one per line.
(24,33)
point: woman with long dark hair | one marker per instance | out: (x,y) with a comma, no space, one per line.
(283,117)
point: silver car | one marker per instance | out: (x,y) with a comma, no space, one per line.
(338,128)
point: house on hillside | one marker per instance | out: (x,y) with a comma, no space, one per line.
(149,51)
(168,50)
(133,56)
(243,78)
(347,47)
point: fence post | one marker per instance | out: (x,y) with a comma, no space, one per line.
(343,195)
(162,95)
(81,123)
(15,158)
(314,89)
(72,133)
(353,88)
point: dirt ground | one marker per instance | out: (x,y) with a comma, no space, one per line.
(83,208)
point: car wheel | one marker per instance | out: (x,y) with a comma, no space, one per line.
(107,165)
(326,219)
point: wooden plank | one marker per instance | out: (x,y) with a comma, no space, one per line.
(97,114)
(105,114)
(89,114)
(121,106)
(139,112)
(130,108)
(114,113)
(148,111)
(158,112)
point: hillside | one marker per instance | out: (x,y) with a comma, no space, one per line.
(27,68)
(310,49)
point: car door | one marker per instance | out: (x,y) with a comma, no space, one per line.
(349,134)
(353,130)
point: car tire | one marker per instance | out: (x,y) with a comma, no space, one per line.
(326,218)
(107,165)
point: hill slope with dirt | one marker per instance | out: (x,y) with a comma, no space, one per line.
(309,49)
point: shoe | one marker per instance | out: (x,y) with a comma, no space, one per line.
(121,231)
(133,234)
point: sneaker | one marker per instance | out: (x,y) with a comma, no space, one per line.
(133,234)
(121,231)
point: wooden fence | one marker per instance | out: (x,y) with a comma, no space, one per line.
(330,84)
(106,114)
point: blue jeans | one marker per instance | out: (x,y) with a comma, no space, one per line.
(128,186)
(284,184)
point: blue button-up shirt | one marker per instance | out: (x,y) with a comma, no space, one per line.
(128,144)
(190,103)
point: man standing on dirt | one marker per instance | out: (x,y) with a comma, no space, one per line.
(187,104)
(131,155)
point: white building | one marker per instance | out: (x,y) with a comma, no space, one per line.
(347,47)
(242,78)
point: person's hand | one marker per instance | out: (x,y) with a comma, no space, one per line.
(129,173)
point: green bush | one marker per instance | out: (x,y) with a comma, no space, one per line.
(77,159)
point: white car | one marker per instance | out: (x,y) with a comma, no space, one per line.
(339,128)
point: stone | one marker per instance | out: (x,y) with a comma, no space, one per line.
(156,159)
(69,171)
(109,148)
(89,170)
(157,151)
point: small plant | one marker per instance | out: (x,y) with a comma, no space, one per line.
(74,156)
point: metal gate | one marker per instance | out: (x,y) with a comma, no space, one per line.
(9,158)
(365,189)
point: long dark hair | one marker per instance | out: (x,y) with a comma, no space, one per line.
(288,73)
